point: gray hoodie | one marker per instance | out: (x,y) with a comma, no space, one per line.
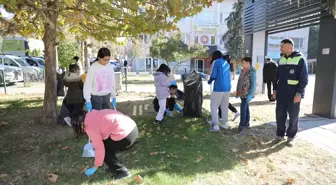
(162,83)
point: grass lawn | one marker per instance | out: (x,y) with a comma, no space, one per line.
(180,152)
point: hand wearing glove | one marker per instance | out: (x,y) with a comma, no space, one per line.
(169,113)
(88,106)
(203,75)
(114,103)
(209,82)
(90,171)
(249,98)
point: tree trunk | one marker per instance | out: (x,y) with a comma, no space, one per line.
(50,92)
(87,63)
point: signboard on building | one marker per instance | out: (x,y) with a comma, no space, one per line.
(13,45)
(206,27)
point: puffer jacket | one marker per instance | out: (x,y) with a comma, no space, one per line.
(75,88)
(162,83)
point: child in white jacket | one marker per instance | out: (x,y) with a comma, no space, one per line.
(99,85)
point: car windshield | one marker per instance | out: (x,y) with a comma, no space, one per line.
(21,62)
(40,61)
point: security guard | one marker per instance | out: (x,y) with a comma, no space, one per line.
(292,80)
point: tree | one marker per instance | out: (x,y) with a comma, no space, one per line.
(103,20)
(173,49)
(66,51)
(313,42)
(135,49)
(234,37)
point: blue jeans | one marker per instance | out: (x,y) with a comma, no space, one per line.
(244,113)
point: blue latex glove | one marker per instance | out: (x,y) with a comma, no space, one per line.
(88,106)
(177,107)
(202,75)
(114,103)
(209,82)
(169,113)
(249,98)
(90,171)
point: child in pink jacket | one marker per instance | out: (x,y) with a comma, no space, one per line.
(110,131)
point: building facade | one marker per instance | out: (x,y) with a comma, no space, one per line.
(206,28)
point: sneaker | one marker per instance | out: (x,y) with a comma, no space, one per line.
(224,126)
(289,142)
(214,128)
(157,122)
(237,114)
(279,139)
(122,174)
(68,121)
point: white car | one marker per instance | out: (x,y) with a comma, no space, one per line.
(30,73)
(10,71)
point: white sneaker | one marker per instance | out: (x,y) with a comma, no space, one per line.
(68,121)
(224,125)
(214,128)
(236,116)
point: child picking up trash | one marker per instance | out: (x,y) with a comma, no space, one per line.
(245,91)
(162,83)
(171,104)
(110,132)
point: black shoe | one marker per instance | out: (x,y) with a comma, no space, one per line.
(157,122)
(122,174)
(240,130)
(289,142)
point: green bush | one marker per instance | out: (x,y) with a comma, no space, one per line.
(66,51)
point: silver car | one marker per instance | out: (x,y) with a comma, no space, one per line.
(12,74)
(29,73)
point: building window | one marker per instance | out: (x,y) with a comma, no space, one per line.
(298,42)
(186,38)
(196,39)
(206,18)
(213,40)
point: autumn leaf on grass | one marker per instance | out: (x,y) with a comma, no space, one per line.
(262,176)
(3,175)
(163,152)
(246,162)
(235,150)
(3,123)
(204,135)
(200,158)
(185,138)
(65,148)
(150,130)
(291,181)
(154,153)
(53,178)
(138,179)
(175,135)
(84,169)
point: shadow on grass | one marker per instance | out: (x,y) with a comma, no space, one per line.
(182,147)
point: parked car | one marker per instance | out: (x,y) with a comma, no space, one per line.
(116,65)
(29,73)
(12,74)
(38,63)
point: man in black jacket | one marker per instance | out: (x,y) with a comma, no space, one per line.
(270,76)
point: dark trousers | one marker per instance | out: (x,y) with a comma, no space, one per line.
(101,102)
(74,109)
(112,147)
(231,108)
(282,109)
(269,88)
(244,113)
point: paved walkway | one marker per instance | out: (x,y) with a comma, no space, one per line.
(321,132)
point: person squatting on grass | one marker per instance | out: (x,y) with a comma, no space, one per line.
(161,82)
(245,91)
(110,132)
(99,85)
(220,95)
(74,97)
(171,101)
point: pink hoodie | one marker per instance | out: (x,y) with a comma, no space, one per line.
(99,125)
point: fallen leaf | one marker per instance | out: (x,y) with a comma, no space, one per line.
(242,157)
(204,135)
(262,176)
(84,169)
(200,158)
(53,178)
(3,123)
(65,147)
(162,152)
(150,130)
(3,175)
(291,180)
(134,152)
(235,150)
(138,179)
(154,153)
(185,138)
(175,135)
(218,173)
(246,162)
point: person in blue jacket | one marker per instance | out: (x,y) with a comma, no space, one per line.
(245,91)
(220,95)
(292,80)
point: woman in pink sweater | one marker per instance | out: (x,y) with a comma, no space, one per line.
(110,131)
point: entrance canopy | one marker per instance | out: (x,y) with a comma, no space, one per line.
(282,15)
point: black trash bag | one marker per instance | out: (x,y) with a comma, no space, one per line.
(179,94)
(63,113)
(60,84)
(193,88)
